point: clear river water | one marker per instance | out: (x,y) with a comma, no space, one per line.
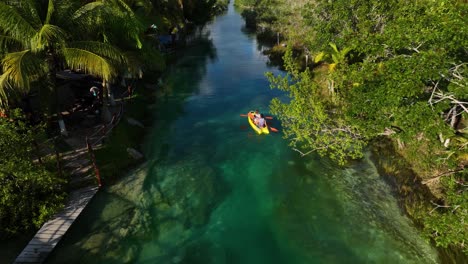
(212,191)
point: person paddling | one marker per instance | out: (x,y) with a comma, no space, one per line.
(256,117)
(261,121)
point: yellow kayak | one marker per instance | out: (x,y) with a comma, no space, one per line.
(263,130)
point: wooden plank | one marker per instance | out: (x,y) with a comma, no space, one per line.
(43,242)
(69,214)
(48,235)
(40,248)
(60,222)
(52,232)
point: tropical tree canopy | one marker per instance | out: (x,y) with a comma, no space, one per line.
(37,38)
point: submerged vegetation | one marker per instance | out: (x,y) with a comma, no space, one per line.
(109,40)
(362,70)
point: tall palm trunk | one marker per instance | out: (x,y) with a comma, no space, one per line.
(105,113)
(51,59)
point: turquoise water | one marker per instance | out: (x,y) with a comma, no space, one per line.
(212,191)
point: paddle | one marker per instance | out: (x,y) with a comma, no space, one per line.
(266,117)
(273,129)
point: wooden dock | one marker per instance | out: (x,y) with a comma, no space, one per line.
(52,231)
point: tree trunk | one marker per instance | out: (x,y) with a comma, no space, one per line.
(110,94)
(105,113)
(51,58)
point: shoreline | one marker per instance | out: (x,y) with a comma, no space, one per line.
(413,195)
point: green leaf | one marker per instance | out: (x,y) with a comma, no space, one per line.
(19,69)
(14,25)
(319,57)
(333,45)
(92,63)
(48,36)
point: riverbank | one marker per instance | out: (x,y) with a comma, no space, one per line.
(414,197)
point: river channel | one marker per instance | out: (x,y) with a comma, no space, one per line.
(212,191)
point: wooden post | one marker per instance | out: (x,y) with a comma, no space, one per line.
(104,129)
(93,160)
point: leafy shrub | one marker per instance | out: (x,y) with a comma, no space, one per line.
(29,193)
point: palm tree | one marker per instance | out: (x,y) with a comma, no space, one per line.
(37,38)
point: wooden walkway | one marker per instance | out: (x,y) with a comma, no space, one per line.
(51,232)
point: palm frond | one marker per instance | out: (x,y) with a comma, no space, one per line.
(14,25)
(47,35)
(63,13)
(19,70)
(105,50)
(92,63)
(7,43)
(85,10)
(4,87)
(88,19)
(128,20)
(113,19)
(124,5)
(50,11)
(29,10)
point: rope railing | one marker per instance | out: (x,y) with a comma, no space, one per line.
(105,130)
(49,147)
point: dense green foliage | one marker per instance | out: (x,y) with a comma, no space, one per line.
(446,223)
(275,16)
(30,192)
(395,68)
(44,37)
(311,123)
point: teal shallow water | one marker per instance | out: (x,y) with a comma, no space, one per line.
(212,191)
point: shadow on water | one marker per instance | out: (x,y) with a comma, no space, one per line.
(179,82)
(265,40)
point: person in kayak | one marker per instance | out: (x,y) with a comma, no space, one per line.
(261,121)
(256,117)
